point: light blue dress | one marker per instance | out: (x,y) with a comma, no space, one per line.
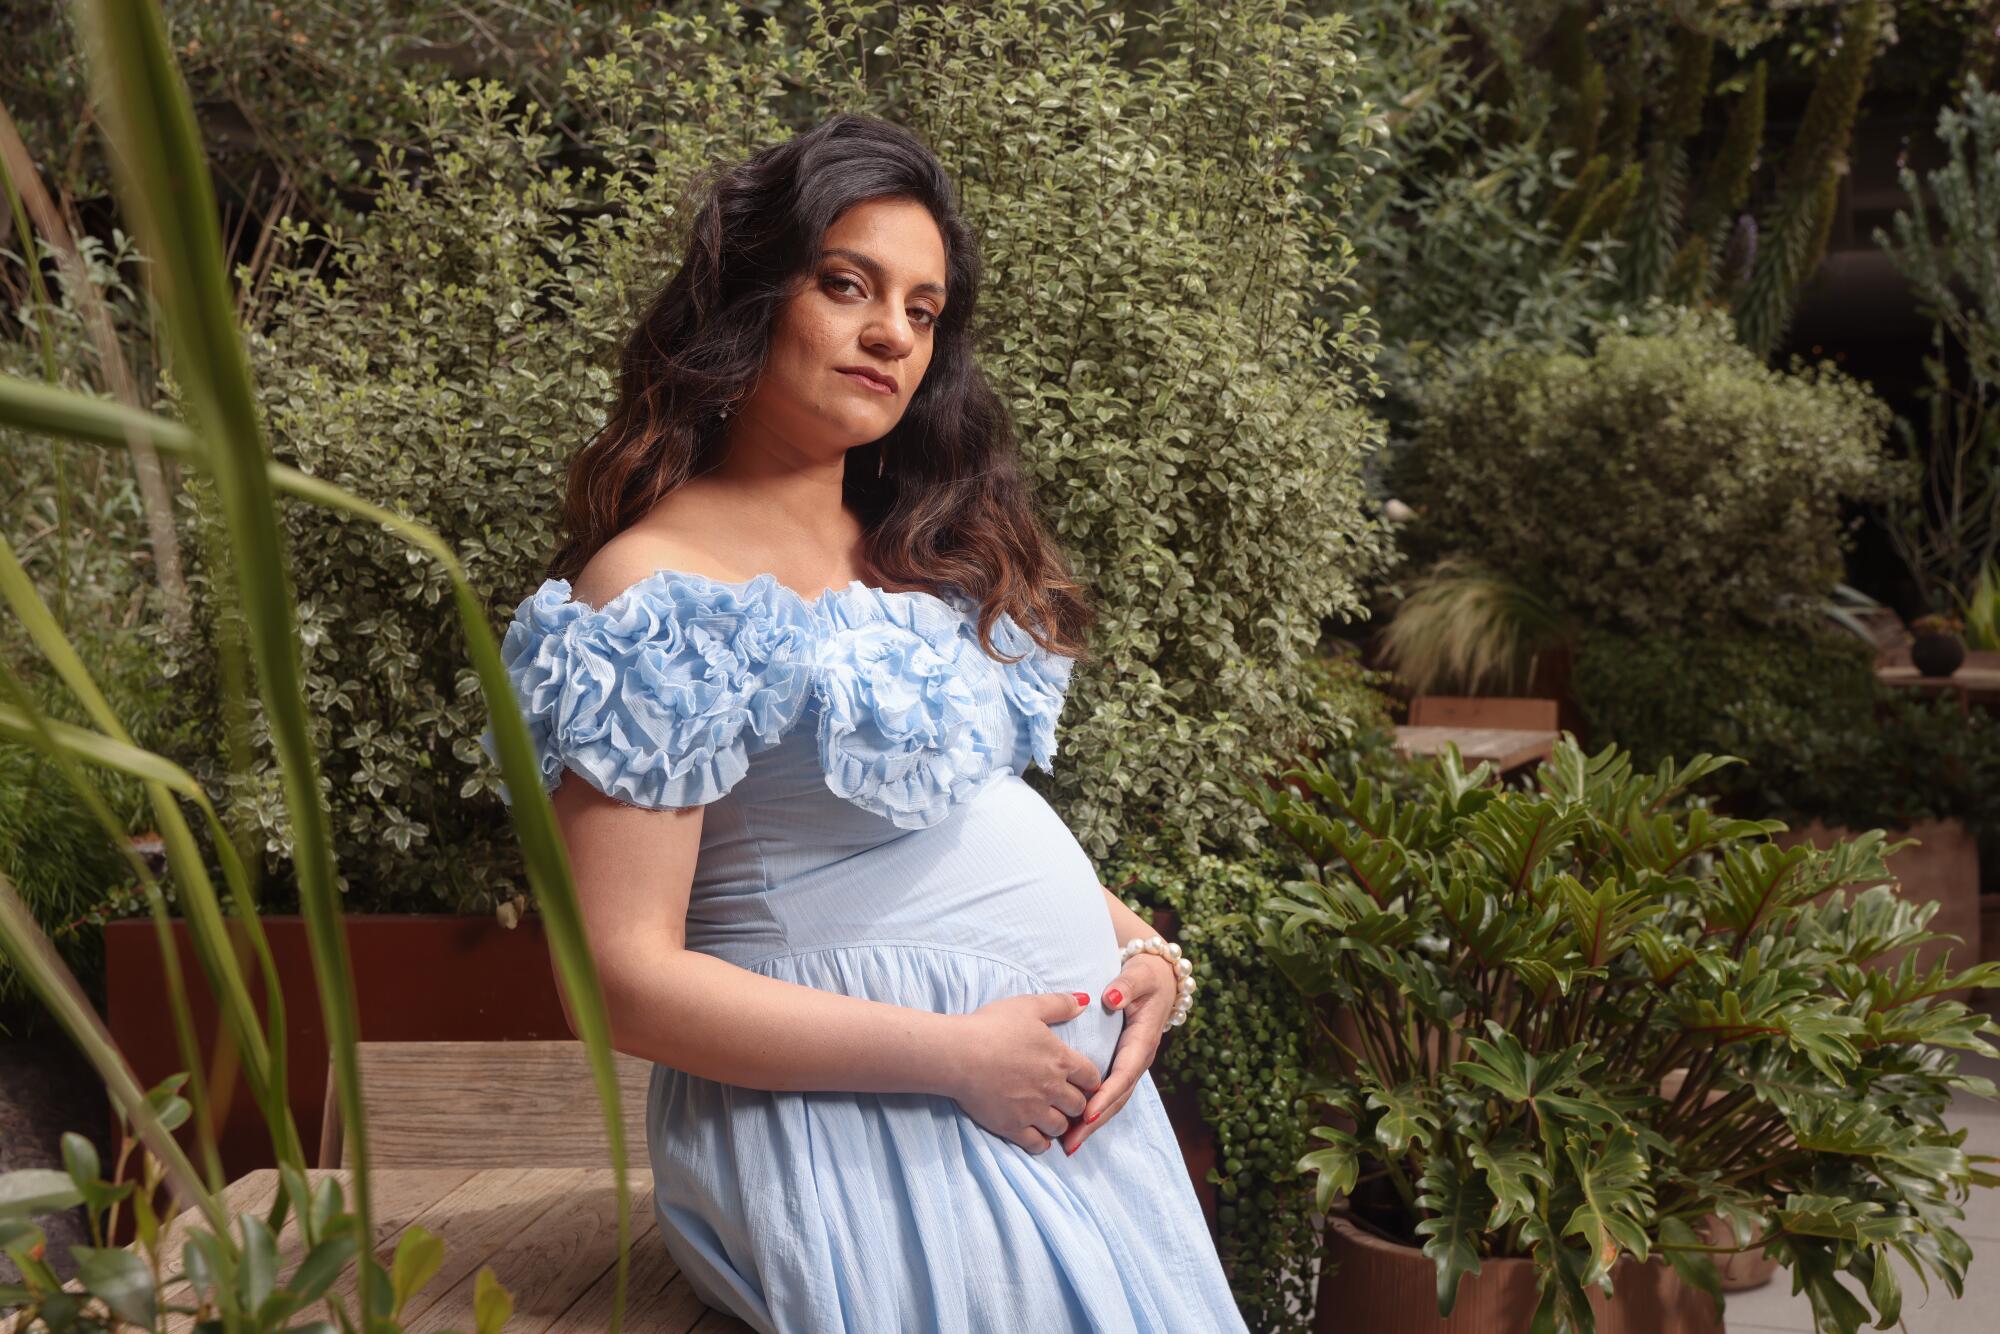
(868,832)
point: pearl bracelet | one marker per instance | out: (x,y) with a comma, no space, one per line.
(1183,969)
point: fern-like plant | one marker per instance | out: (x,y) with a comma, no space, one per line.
(1575,1021)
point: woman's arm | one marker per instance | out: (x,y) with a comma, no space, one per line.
(634,870)
(1130,926)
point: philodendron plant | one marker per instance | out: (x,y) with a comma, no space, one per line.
(1583,1019)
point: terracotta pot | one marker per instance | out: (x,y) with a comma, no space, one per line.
(1742,1270)
(1368,1283)
(1739,1271)
(1943,867)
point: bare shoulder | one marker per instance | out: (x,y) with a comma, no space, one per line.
(669,538)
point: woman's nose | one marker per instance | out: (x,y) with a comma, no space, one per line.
(891,336)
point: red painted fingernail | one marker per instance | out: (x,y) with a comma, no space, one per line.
(1082,997)
(1092,1117)
(1067,1150)
(1114,995)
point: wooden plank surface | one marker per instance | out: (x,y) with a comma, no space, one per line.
(1977,680)
(435,1104)
(550,1235)
(1504,747)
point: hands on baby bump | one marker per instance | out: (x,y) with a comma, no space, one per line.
(1018,1079)
(1025,1084)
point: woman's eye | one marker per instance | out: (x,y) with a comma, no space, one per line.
(844,284)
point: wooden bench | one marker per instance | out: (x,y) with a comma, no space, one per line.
(499,1149)
(487,1104)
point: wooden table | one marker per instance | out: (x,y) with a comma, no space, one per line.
(550,1234)
(1977,680)
(1504,747)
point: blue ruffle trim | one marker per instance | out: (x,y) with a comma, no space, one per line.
(660,697)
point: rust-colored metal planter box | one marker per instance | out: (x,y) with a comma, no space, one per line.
(417,977)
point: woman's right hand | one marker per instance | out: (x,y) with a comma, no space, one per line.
(1015,1077)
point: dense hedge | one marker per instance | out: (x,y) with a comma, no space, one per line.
(1195,437)
(1660,696)
(1821,737)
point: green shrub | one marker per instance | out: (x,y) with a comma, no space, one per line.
(1660,695)
(63,866)
(1668,482)
(280,120)
(70,874)
(1821,737)
(1195,437)
(78,522)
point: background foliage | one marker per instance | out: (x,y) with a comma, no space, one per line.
(1151,332)
(1667,482)
(1821,736)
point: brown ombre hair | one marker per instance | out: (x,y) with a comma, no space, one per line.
(950,507)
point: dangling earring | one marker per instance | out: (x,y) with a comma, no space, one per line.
(730,406)
(881,457)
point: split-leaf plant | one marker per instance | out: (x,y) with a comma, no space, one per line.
(1580,1019)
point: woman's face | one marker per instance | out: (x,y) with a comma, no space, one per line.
(871,305)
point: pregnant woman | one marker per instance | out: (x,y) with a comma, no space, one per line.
(815,638)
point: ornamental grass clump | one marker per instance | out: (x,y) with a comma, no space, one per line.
(1579,1020)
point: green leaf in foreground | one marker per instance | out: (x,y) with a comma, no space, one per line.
(419,1255)
(34,1191)
(120,1278)
(492,1305)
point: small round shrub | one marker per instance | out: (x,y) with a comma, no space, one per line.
(1668,482)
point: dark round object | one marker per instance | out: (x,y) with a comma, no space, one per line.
(1937,655)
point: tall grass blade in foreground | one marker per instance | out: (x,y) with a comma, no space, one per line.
(165,192)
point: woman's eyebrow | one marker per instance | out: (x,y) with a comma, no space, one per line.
(875,269)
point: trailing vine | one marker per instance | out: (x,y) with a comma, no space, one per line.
(1242,1053)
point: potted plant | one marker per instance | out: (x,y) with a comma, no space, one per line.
(1563,1026)
(1937,649)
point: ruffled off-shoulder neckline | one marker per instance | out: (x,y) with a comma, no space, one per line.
(660,696)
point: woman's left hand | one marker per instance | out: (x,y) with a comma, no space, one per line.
(1145,991)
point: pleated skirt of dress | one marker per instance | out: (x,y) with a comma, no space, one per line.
(808,1213)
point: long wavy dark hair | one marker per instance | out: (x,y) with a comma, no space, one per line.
(950,507)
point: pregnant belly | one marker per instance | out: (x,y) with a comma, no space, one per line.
(998,900)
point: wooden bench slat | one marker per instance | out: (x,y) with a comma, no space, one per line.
(547,1267)
(490,1104)
(649,1276)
